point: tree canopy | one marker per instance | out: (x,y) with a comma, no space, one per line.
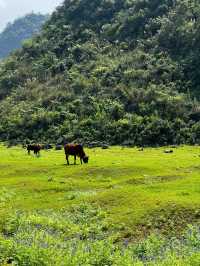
(120,71)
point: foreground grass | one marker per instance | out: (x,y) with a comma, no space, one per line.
(81,236)
(52,213)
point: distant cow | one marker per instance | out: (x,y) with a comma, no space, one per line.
(75,150)
(47,147)
(168,151)
(35,148)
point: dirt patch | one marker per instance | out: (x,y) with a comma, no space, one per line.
(170,220)
(167,178)
(153,179)
(115,171)
(136,181)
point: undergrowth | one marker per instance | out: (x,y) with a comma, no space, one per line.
(82,236)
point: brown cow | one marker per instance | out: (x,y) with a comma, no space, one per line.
(75,150)
(35,148)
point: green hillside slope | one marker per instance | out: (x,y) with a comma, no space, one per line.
(18,31)
(120,71)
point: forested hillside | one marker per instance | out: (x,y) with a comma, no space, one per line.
(18,31)
(120,71)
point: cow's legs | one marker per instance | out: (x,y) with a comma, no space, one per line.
(29,152)
(81,160)
(67,158)
(74,159)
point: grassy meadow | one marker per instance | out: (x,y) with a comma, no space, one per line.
(126,207)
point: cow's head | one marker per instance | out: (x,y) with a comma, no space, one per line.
(85,159)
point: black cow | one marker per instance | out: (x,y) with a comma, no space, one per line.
(75,150)
(35,148)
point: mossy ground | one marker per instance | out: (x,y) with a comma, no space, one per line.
(143,191)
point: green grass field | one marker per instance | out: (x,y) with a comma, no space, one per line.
(133,194)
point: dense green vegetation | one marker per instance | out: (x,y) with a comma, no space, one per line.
(18,31)
(78,237)
(120,71)
(126,207)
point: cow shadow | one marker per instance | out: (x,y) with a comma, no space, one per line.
(71,164)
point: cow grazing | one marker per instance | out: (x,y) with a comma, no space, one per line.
(35,148)
(75,150)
